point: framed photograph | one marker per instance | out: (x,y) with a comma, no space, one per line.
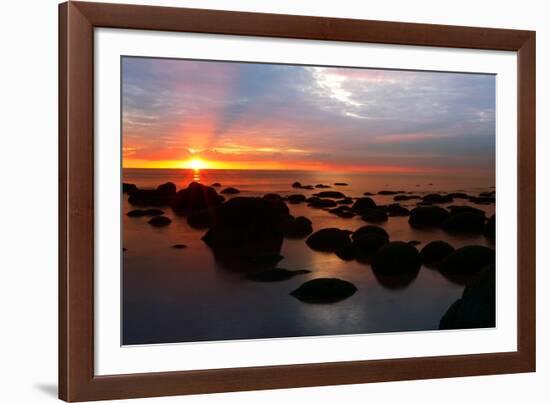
(256,201)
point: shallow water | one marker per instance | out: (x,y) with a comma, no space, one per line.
(178,295)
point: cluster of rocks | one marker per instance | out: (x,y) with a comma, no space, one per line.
(246,233)
(395,263)
(457,219)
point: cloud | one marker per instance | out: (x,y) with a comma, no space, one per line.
(337,115)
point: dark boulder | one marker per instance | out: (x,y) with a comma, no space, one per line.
(324,290)
(370,229)
(296,198)
(296,185)
(487,194)
(346,214)
(396,210)
(317,202)
(347,200)
(437,198)
(194,198)
(328,240)
(179,246)
(490,229)
(363,203)
(331,194)
(151,212)
(159,221)
(150,197)
(230,191)
(433,253)
(348,252)
(464,222)
(201,219)
(321,186)
(368,194)
(342,211)
(128,188)
(466,209)
(272,196)
(395,265)
(374,215)
(272,275)
(340,184)
(414,242)
(482,200)
(298,227)
(216,185)
(477,307)
(246,232)
(458,195)
(167,188)
(368,244)
(467,260)
(428,216)
(396,258)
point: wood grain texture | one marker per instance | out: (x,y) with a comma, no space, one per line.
(77,381)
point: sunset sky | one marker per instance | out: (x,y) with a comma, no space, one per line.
(223,115)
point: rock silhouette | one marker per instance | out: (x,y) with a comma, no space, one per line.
(427,216)
(324,290)
(167,188)
(194,198)
(374,215)
(396,258)
(434,252)
(467,260)
(464,222)
(159,221)
(329,240)
(396,265)
(317,202)
(230,191)
(367,244)
(246,232)
(298,227)
(128,188)
(296,198)
(477,307)
(490,228)
(437,198)
(201,219)
(362,204)
(331,194)
(370,229)
(396,210)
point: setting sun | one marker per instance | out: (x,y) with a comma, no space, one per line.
(196,164)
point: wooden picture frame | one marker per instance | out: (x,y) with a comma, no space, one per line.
(77,21)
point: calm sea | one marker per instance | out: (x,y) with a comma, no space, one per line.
(183,295)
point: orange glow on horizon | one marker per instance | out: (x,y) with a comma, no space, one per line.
(197,164)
